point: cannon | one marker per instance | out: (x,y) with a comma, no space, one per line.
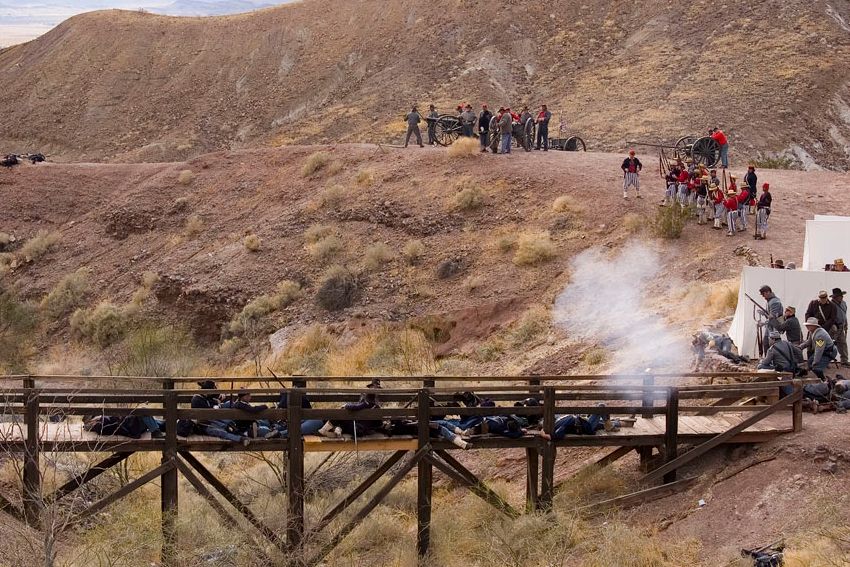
(447,128)
(691,149)
(522,134)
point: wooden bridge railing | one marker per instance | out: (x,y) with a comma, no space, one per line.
(67,398)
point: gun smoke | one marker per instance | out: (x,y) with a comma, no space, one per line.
(606,304)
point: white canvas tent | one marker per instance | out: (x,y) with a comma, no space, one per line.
(794,287)
(827,238)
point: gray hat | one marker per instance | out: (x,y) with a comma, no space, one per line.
(775,335)
(812,322)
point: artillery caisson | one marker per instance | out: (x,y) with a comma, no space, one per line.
(691,149)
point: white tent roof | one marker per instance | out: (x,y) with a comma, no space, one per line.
(827,238)
(794,287)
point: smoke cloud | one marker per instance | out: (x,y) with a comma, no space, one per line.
(607,303)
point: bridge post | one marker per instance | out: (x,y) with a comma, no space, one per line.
(797,408)
(168,482)
(298,381)
(648,400)
(424,476)
(295,473)
(671,433)
(547,488)
(532,485)
(31,473)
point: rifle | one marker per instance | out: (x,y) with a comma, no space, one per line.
(772,265)
(761,309)
(282,385)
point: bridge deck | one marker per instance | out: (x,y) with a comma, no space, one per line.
(70,436)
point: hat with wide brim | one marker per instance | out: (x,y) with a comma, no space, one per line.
(838,292)
(812,322)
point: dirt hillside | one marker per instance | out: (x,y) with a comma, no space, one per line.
(130,86)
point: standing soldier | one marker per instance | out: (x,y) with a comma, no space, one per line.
(731,206)
(413,119)
(484,127)
(743,202)
(505,125)
(718,136)
(467,119)
(840,329)
(543,118)
(631,174)
(525,116)
(763,213)
(432,124)
(751,179)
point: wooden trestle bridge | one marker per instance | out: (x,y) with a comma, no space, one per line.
(668,417)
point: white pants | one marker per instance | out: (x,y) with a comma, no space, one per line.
(629,180)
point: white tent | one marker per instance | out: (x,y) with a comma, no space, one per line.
(827,238)
(794,287)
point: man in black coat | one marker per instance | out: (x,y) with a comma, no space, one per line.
(484,127)
(823,310)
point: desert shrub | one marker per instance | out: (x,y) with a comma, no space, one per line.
(388,350)
(775,162)
(231,346)
(315,163)
(534,248)
(326,249)
(331,197)
(469,196)
(307,353)
(376,256)
(490,350)
(413,251)
(669,222)
(464,147)
(532,324)
(285,294)
(364,177)
(102,325)
(180,204)
(18,322)
(633,223)
(595,356)
(146,283)
(334,167)
(69,293)
(5,240)
(185,177)
(38,245)
(448,268)
(505,243)
(317,232)
(156,351)
(252,243)
(474,283)
(566,204)
(194,226)
(622,545)
(337,289)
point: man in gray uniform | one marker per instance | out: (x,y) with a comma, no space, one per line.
(791,327)
(432,124)
(413,119)
(774,312)
(839,332)
(468,119)
(782,356)
(505,125)
(820,347)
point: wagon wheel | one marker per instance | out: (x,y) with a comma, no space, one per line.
(528,134)
(495,135)
(683,143)
(447,130)
(574,144)
(706,151)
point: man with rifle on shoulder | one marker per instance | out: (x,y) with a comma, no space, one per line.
(770,317)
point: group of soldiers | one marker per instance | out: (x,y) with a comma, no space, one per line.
(481,123)
(726,204)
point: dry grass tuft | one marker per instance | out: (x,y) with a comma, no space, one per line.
(315,163)
(377,256)
(307,353)
(534,248)
(252,243)
(146,283)
(633,223)
(331,197)
(185,177)
(505,243)
(413,251)
(474,283)
(287,292)
(68,294)
(102,325)
(334,167)
(317,232)
(464,148)
(365,178)
(326,249)
(595,356)
(337,289)
(38,245)
(469,195)
(193,227)
(532,325)
(567,204)
(620,544)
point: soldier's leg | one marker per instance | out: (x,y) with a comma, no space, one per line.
(407,137)
(418,136)
(841,343)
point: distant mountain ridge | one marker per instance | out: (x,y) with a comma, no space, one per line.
(131,86)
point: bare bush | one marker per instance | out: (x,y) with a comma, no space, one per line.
(194,226)
(185,177)
(413,251)
(252,243)
(154,350)
(365,177)
(315,163)
(534,248)
(317,232)
(532,325)
(103,325)
(376,256)
(464,147)
(331,197)
(326,249)
(566,204)
(18,323)
(469,195)
(38,245)
(69,293)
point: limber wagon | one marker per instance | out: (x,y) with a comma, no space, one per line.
(448,128)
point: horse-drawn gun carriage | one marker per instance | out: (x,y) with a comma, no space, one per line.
(690,150)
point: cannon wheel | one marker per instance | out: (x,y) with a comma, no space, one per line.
(447,129)
(495,135)
(574,144)
(527,141)
(683,143)
(706,151)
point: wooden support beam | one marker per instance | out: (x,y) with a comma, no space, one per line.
(722,437)
(640,497)
(31,484)
(547,487)
(476,487)
(361,488)
(370,505)
(121,493)
(797,408)
(230,497)
(9,508)
(711,409)
(532,484)
(671,433)
(295,473)
(169,483)
(87,476)
(424,477)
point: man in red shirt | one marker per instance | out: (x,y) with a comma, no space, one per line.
(731,206)
(718,135)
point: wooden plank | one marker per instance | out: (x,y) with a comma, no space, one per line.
(476,487)
(797,409)
(641,497)
(547,487)
(386,444)
(31,482)
(532,479)
(169,484)
(359,490)
(120,493)
(721,438)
